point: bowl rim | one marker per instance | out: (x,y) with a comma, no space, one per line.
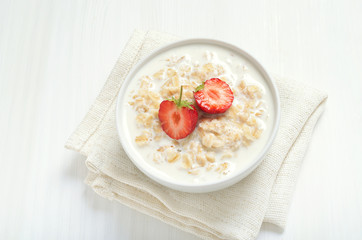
(211,185)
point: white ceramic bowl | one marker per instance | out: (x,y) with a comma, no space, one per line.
(152,172)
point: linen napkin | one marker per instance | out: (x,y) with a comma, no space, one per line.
(233,213)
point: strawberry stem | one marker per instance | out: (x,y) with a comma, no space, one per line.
(181,103)
(200,87)
(179,99)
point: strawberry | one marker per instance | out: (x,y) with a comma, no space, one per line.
(178,118)
(214,96)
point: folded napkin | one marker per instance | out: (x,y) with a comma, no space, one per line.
(233,213)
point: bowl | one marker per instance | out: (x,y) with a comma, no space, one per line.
(124,128)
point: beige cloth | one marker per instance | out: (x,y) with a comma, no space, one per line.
(233,213)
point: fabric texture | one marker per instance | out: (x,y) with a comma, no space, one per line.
(233,213)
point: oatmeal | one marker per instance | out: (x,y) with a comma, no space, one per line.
(221,142)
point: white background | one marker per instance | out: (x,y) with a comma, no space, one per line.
(56,55)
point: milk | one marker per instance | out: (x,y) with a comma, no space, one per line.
(237,69)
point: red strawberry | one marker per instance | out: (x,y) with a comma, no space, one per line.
(214,96)
(178,118)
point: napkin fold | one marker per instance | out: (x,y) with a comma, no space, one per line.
(233,213)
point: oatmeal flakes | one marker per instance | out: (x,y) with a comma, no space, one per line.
(145,119)
(210,166)
(220,133)
(171,83)
(186,161)
(157,158)
(208,68)
(256,133)
(145,82)
(227,155)
(157,128)
(217,144)
(154,113)
(142,108)
(185,70)
(251,121)
(172,155)
(144,138)
(194,146)
(210,157)
(249,105)
(245,142)
(154,97)
(236,136)
(198,77)
(171,73)
(222,167)
(170,92)
(247,133)
(159,75)
(260,103)
(242,85)
(259,113)
(201,160)
(163,148)
(174,60)
(189,96)
(253,91)
(233,111)
(244,116)
(194,171)
(208,140)
(220,69)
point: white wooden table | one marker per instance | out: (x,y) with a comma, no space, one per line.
(56,55)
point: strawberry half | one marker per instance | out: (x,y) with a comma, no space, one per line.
(178,118)
(214,96)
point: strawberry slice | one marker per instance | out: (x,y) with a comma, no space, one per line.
(214,96)
(178,118)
